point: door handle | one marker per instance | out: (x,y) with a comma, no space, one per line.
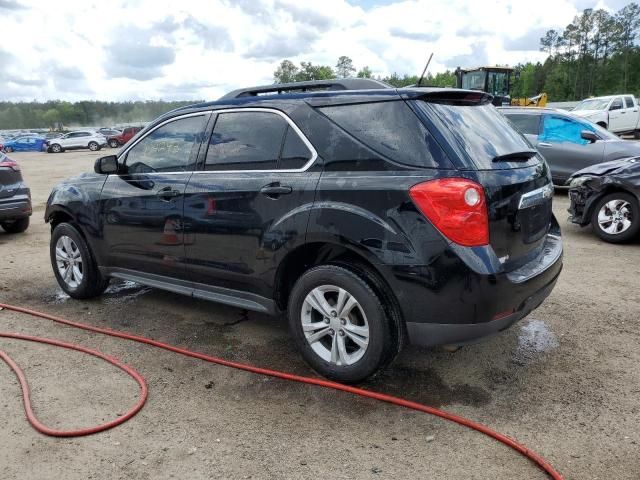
(167,193)
(276,190)
(544,144)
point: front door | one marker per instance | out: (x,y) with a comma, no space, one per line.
(142,208)
(617,115)
(249,205)
(566,152)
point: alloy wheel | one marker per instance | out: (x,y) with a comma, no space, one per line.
(69,261)
(615,217)
(335,325)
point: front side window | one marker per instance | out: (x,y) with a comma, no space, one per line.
(169,148)
(558,129)
(255,141)
(616,104)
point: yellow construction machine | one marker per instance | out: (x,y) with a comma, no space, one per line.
(497,82)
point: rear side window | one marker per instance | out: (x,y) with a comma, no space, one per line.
(255,141)
(479,133)
(629,102)
(391,129)
(525,123)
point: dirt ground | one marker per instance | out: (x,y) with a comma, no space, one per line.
(565,381)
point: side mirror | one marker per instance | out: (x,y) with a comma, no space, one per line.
(589,135)
(106,165)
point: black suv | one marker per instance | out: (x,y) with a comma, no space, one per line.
(15,197)
(372,215)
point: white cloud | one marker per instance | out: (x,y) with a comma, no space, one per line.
(150,49)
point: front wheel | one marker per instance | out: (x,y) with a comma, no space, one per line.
(16,226)
(94,147)
(616,217)
(8,149)
(55,148)
(339,324)
(114,143)
(73,264)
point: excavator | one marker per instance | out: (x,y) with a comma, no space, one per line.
(497,82)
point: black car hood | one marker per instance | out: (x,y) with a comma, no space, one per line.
(620,167)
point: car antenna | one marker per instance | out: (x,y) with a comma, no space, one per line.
(424,71)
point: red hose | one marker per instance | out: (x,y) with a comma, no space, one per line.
(534,457)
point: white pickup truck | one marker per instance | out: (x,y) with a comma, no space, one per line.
(618,113)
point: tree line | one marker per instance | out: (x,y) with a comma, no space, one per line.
(596,54)
(59,114)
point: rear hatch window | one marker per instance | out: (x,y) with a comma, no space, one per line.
(481,136)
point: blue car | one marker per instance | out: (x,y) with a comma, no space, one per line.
(24,144)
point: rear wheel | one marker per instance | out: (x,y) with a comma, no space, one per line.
(16,226)
(339,324)
(636,134)
(93,146)
(616,218)
(73,263)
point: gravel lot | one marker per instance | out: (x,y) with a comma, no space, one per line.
(565,381)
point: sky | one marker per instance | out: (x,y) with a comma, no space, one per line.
(200,49)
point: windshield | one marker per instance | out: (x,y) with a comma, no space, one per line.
(593,104)
(473,80)
(480,134)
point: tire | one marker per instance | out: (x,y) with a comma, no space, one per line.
(16,226)
(603,125)
(84,280)
(366,322)
(636,134)
(93,146)
(616,217)
(55,148)
(114,143)
(8,149)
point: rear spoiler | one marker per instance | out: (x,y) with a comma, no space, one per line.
(448,96)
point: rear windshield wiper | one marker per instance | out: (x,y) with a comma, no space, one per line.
(522,156)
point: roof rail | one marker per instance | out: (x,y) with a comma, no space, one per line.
(333,84)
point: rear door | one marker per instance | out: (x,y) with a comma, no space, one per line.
(631,113)
(142,208)
(561,144)
(249,203)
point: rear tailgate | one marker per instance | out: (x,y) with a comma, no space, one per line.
(10,179)
(515,177)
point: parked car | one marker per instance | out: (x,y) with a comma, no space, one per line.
(373,216)
(617,113)
(123,137)
(15,197)
(24,144)
(607,197)
(109,132)
(76,140)
(567,142)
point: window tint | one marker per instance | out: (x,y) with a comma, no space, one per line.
(392,130)
(525,123)
(558,129)
(629,102)
(246,141)
(295,153)
(170,148)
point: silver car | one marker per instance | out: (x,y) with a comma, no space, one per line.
(567,142)
(76,140)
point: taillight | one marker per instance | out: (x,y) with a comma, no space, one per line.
(456,207)
(12,164)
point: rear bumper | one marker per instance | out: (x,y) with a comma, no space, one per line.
(432,334)
(18,206)
(482,304)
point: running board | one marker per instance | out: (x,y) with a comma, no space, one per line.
(227,296)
